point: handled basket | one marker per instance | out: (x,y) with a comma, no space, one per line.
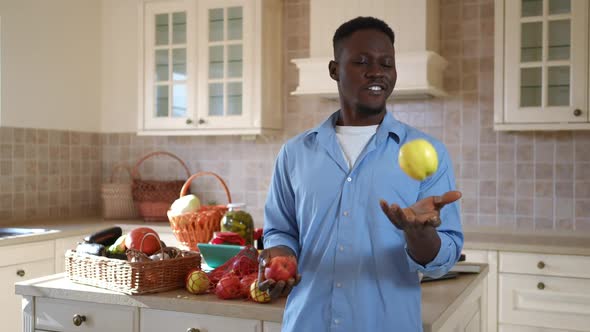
(198,227)
(117,199)
(153,198)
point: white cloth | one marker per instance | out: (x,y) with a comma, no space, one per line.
(353,140)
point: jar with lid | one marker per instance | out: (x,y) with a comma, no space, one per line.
(238,221)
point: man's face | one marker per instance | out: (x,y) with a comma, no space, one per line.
(365,71)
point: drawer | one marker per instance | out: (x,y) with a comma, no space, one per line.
(58,315)
(549,302)
(28,252)
(153,320)
(545,264)
(520,328)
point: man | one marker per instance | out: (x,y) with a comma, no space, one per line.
(328,204)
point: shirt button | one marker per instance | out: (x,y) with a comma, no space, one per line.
(338,285)
(345,213)
(336,321)
(341,248)
(349,179)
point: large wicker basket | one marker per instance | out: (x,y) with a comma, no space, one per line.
(153,198)
(198,227)
(127,277)
(117,199)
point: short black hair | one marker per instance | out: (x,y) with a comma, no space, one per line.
(361,23)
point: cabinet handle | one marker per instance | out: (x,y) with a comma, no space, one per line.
(541,286)
(192,329)
(79,319)
(577,112)
(189,121)
(201,121)
(541,265)
(20,273)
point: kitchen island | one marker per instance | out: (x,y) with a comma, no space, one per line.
(53,303)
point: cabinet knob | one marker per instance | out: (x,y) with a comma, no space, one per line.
(201,121)
(541,265)
(79,319)
(541,286)
(189,121)
(577,112)
(192,329)
(20,273)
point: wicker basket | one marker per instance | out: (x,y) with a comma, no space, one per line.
(130,278)
(153,198)
(117,200)
(198,227)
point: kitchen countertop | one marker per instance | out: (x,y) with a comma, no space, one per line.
(439,298)
(539,242)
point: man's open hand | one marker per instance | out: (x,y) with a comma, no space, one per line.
(275,288)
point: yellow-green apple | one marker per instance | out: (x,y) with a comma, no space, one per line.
(197,281)
(418,159)
(257,295)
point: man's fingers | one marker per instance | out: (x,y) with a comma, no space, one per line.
(277,290)
(446,198)
(288,287)
(426,218)
(265,285)
(262,260)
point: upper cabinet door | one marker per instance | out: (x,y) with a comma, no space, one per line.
(169,60)
(210,67)
(542,64)
(226,38)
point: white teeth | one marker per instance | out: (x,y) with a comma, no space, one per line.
(375,88)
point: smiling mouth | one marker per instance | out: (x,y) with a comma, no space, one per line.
(376,89)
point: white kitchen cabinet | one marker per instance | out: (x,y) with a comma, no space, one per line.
(18,263)
(210,67)
(490,297)
(468,316)
(71,316)
(541,65)
(271,326)
(545,291)
(160,320)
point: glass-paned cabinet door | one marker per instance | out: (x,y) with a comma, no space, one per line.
(546,61)
(225,54)
(169,58)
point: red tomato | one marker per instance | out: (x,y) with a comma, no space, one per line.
(151,240)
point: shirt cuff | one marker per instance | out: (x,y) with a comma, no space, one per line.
(441,264)
(281,240)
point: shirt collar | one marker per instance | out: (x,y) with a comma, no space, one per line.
(389,127)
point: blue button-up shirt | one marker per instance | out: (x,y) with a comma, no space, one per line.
(356,272)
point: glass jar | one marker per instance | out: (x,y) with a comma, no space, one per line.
(238,221)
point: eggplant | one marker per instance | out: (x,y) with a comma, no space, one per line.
(106,237)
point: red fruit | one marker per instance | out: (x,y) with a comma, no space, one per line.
(228,287)
(243,266)
(151,242)
(281,268)
(246,282)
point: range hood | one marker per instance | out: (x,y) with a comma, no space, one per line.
(416,27)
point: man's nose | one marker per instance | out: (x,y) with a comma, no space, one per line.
(374,70)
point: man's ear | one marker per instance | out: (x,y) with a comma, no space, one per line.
(333,67)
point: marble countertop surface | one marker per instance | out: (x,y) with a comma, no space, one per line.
(439,298)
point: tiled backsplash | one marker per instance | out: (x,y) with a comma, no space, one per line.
(528,181)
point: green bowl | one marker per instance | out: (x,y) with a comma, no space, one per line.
(217,254)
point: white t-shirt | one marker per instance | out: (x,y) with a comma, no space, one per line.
(353,140)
